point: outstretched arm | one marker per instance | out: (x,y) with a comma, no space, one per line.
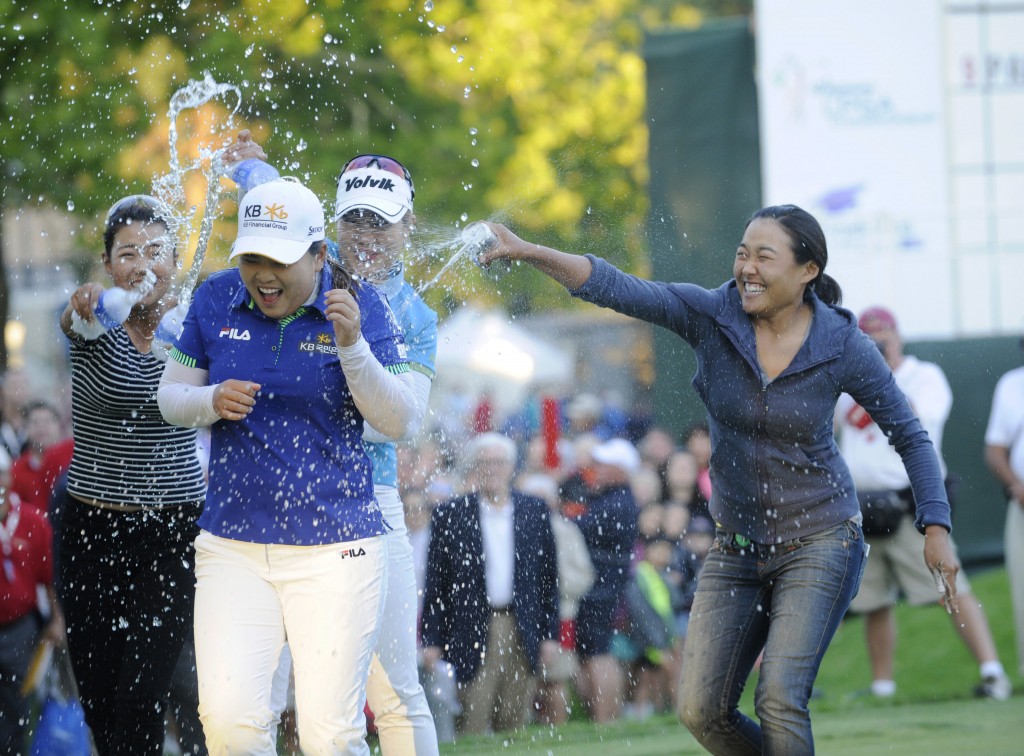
(572,271)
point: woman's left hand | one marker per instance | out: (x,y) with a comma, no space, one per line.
(343,312)
(943,564)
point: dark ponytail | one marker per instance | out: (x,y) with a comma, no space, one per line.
(827,289)
(808,242)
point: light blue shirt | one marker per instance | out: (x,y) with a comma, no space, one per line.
(419,326)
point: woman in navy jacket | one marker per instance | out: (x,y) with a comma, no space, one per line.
(774,352)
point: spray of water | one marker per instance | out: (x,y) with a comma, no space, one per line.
(457,247)
(170,188)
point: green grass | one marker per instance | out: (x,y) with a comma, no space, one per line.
(946,727)
(933,712)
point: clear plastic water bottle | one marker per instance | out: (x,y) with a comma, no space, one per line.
(251,173)
(168,331)
(476,239)
(112,309)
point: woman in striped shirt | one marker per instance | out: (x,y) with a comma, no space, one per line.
(135,490)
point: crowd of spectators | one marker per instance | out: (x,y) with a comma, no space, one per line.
(626,505)
(628,509)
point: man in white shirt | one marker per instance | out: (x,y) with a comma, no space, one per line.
(894,566)
(1004,453)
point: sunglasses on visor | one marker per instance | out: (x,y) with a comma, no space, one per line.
(383,162)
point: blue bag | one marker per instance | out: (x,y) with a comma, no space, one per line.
(61,729)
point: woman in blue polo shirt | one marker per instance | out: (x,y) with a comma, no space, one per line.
(284,358)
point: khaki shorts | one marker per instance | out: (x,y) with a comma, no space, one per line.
(895,568)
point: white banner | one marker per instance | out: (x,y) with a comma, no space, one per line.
(852,118)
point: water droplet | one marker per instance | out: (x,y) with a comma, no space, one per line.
(428,6)
(71,206)
(183,4)
(464,217)
(465,92)
(475,163)
(473,131)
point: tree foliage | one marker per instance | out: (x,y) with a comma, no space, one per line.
(530,112)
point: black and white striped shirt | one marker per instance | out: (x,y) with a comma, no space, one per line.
(124,451)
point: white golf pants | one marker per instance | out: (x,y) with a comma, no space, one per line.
(399,705)
(327,599)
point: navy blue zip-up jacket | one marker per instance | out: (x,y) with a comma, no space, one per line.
(776,469)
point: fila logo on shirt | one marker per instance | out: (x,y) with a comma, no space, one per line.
(353,552)
(233,333)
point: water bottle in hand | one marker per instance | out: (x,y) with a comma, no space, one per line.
(251,173)
(112,309)
(168,330)
(476,239)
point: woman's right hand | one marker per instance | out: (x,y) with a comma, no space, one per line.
(242,149)
(85,299)
(509,246)
(234,400)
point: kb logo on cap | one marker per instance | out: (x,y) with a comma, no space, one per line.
(274,212)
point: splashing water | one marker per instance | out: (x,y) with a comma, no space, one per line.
(465,246)
(170,188)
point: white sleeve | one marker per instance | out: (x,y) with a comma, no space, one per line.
(184,397)
(419,384)
(384,400)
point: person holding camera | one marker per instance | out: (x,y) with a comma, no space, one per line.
(887,503)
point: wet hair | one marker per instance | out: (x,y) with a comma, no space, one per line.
(808,242)
(127,212)
(340,278)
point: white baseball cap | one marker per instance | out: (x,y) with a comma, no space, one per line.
(617,452)
(371,188)
(280,220)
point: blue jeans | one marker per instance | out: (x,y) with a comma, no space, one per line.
(786,599)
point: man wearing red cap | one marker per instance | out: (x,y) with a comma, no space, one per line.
(894,566)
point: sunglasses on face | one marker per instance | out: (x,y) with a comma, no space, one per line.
(135,200)
(365,219)
(383,162)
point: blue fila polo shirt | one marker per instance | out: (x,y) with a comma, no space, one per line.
(419,326)
(295,470)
